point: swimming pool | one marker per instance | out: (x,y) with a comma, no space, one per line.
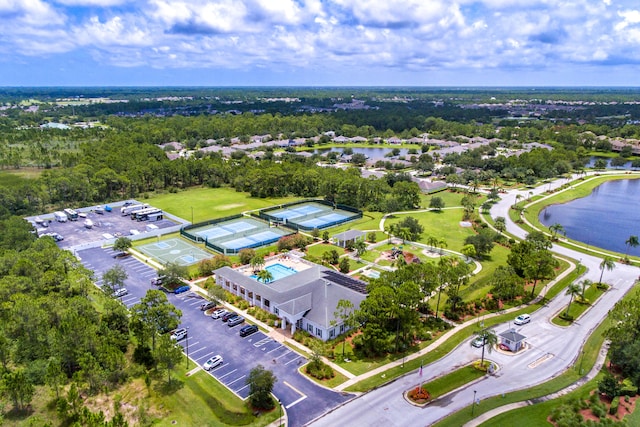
(278,271)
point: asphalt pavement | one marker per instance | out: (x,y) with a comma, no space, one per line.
(550,351)
(303,399)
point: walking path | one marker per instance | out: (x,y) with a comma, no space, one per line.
(449,334)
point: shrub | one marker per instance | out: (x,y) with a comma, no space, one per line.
(598,410)
(419,395)
(627,388)
(615,403)
(246,255)
(565,316)
(320,370)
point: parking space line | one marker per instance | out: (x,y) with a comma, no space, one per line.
(236,380)
(206,356)
(277,348)
(293,360)
(285,354)
(195,351)
(227,374)
(295,402)
(240,389)
(262,341)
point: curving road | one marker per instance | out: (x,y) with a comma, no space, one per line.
(551,350)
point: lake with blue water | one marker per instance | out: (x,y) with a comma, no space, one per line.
(372,153)
(606,218)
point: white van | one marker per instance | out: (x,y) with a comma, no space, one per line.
(60,216)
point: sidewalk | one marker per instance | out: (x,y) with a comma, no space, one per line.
(449,334)
(272,332)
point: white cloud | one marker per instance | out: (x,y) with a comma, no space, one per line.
(99,3)
(328,34)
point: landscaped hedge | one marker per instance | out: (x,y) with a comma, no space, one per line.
(615,403)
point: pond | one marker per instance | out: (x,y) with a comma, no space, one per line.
(373,154)
(606,218)
(627,166)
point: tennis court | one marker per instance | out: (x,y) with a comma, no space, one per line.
(252,240)
(311,215)
(323,220)
(174,250)
(226,229)
(298,211)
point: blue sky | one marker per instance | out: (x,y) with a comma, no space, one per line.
(320,42)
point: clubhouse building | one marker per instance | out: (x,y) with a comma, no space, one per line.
(302,294)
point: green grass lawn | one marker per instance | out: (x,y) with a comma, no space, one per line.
(209,203)
(591,294)
(203,401)
(443,225)
(451,381)
(330,383)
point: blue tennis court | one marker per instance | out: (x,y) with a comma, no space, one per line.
(264,236)
(214,233)
(309,215)
(323,220)
(239,226)
(239,243)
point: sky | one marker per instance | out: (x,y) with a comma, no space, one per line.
(319,42)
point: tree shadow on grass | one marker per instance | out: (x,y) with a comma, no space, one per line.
(18,415)
(168,387)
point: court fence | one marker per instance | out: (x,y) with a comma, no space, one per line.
(219,247)
(264,214)
(184,231)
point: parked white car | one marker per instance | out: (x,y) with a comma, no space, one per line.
(522,319)
(212,362)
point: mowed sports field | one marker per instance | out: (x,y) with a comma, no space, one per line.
(209,203)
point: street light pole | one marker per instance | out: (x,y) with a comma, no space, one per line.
(473,405)
(191,214)
(581,359)
(280,418)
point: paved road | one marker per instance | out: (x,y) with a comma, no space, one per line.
(303,399)
(551,350)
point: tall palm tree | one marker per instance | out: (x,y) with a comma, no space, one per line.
(572,290)
(555,229)
(265,276)
(390,229)
(489,338)
(608,264)
(433,242)
(585,284)
(442,244)
(360,246)
(405,234)
(631,242)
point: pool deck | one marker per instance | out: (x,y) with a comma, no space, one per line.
(286,260)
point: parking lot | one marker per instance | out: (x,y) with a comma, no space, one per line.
(106,225)
(302,398)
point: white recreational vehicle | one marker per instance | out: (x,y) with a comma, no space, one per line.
(60,216)
(126,210)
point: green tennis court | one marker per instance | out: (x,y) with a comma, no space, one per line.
(174,250)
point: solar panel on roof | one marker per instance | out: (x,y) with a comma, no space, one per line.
(346,281)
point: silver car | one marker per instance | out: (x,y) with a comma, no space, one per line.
(212,362)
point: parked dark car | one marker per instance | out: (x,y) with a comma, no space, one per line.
(228,316)
(207,305)
(181,289)
(248,330)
